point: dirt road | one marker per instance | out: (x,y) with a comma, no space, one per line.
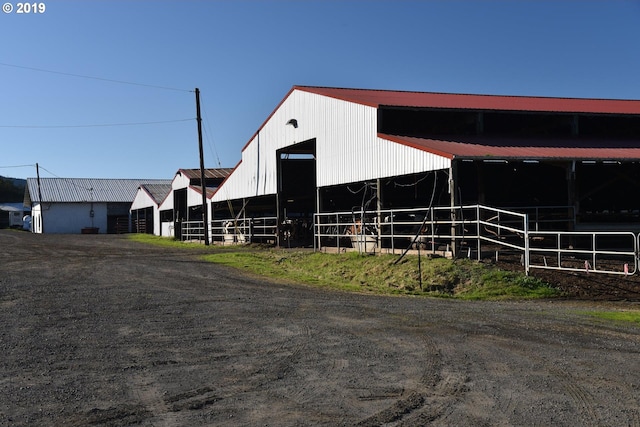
(98,330)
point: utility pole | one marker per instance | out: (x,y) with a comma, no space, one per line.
(41,203)
(205,213)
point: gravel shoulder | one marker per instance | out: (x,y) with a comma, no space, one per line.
(99,330)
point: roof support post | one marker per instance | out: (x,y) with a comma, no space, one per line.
(572,200)
(379,213)
(453,178)
(480,123)
(316,242)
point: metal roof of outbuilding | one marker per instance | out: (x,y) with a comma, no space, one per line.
(69,190)
(378,98)
(208,173)
(477,147)
(157,191)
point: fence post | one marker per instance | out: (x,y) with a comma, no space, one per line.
(433,233)
(337,233)
(637,250)
(593,254)
(478,231)
(558,238)
(315,232)
(393,244)
(526,244)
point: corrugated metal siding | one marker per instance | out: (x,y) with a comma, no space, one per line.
(194,196)
(347,147)
(68,190)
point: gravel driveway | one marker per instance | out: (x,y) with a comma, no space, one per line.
(99,330)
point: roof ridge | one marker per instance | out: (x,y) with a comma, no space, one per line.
(492,95)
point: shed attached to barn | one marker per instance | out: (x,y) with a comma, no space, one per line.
(145,212)
(329,149)
(183,202)
(81,205)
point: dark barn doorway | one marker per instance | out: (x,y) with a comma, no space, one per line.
(180,209)
(142,220)
(296,193)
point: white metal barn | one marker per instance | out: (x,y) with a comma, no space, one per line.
(81,205)
(183,203)
(331,149)
(145,212)
(339,137)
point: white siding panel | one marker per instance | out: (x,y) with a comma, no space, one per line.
(194,197)
(179,181)
(347,147)
(71,218)
(167,203)
(142,200)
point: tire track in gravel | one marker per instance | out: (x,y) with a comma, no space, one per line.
(436,389)
(502,357)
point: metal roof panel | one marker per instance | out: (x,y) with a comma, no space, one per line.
(377,98)
(473,147)
(208,173)
(158,191)
(74,190)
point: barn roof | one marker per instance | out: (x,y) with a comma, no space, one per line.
(157,191)
(392,98)
(477,147)
(69,190)
(208,173)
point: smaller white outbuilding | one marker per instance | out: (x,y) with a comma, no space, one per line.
(184,201)
(145,215)
(81,205)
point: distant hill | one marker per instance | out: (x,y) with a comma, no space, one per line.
(12,189)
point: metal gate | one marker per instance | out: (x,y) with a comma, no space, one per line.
(474,230)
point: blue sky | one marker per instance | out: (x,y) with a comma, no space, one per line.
(246,55)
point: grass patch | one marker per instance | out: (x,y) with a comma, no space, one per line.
(441,277)
(618,316)
(353,272)
(166,242)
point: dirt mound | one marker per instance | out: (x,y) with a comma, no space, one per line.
(582,284)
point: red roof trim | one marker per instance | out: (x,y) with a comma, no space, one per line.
(377,98)
(413,143)
(526,149)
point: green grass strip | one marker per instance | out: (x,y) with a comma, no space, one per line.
(353,272)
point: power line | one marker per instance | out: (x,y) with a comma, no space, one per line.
(18,166)
(69,180)
(92,125)
(209,134)
(42,70)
